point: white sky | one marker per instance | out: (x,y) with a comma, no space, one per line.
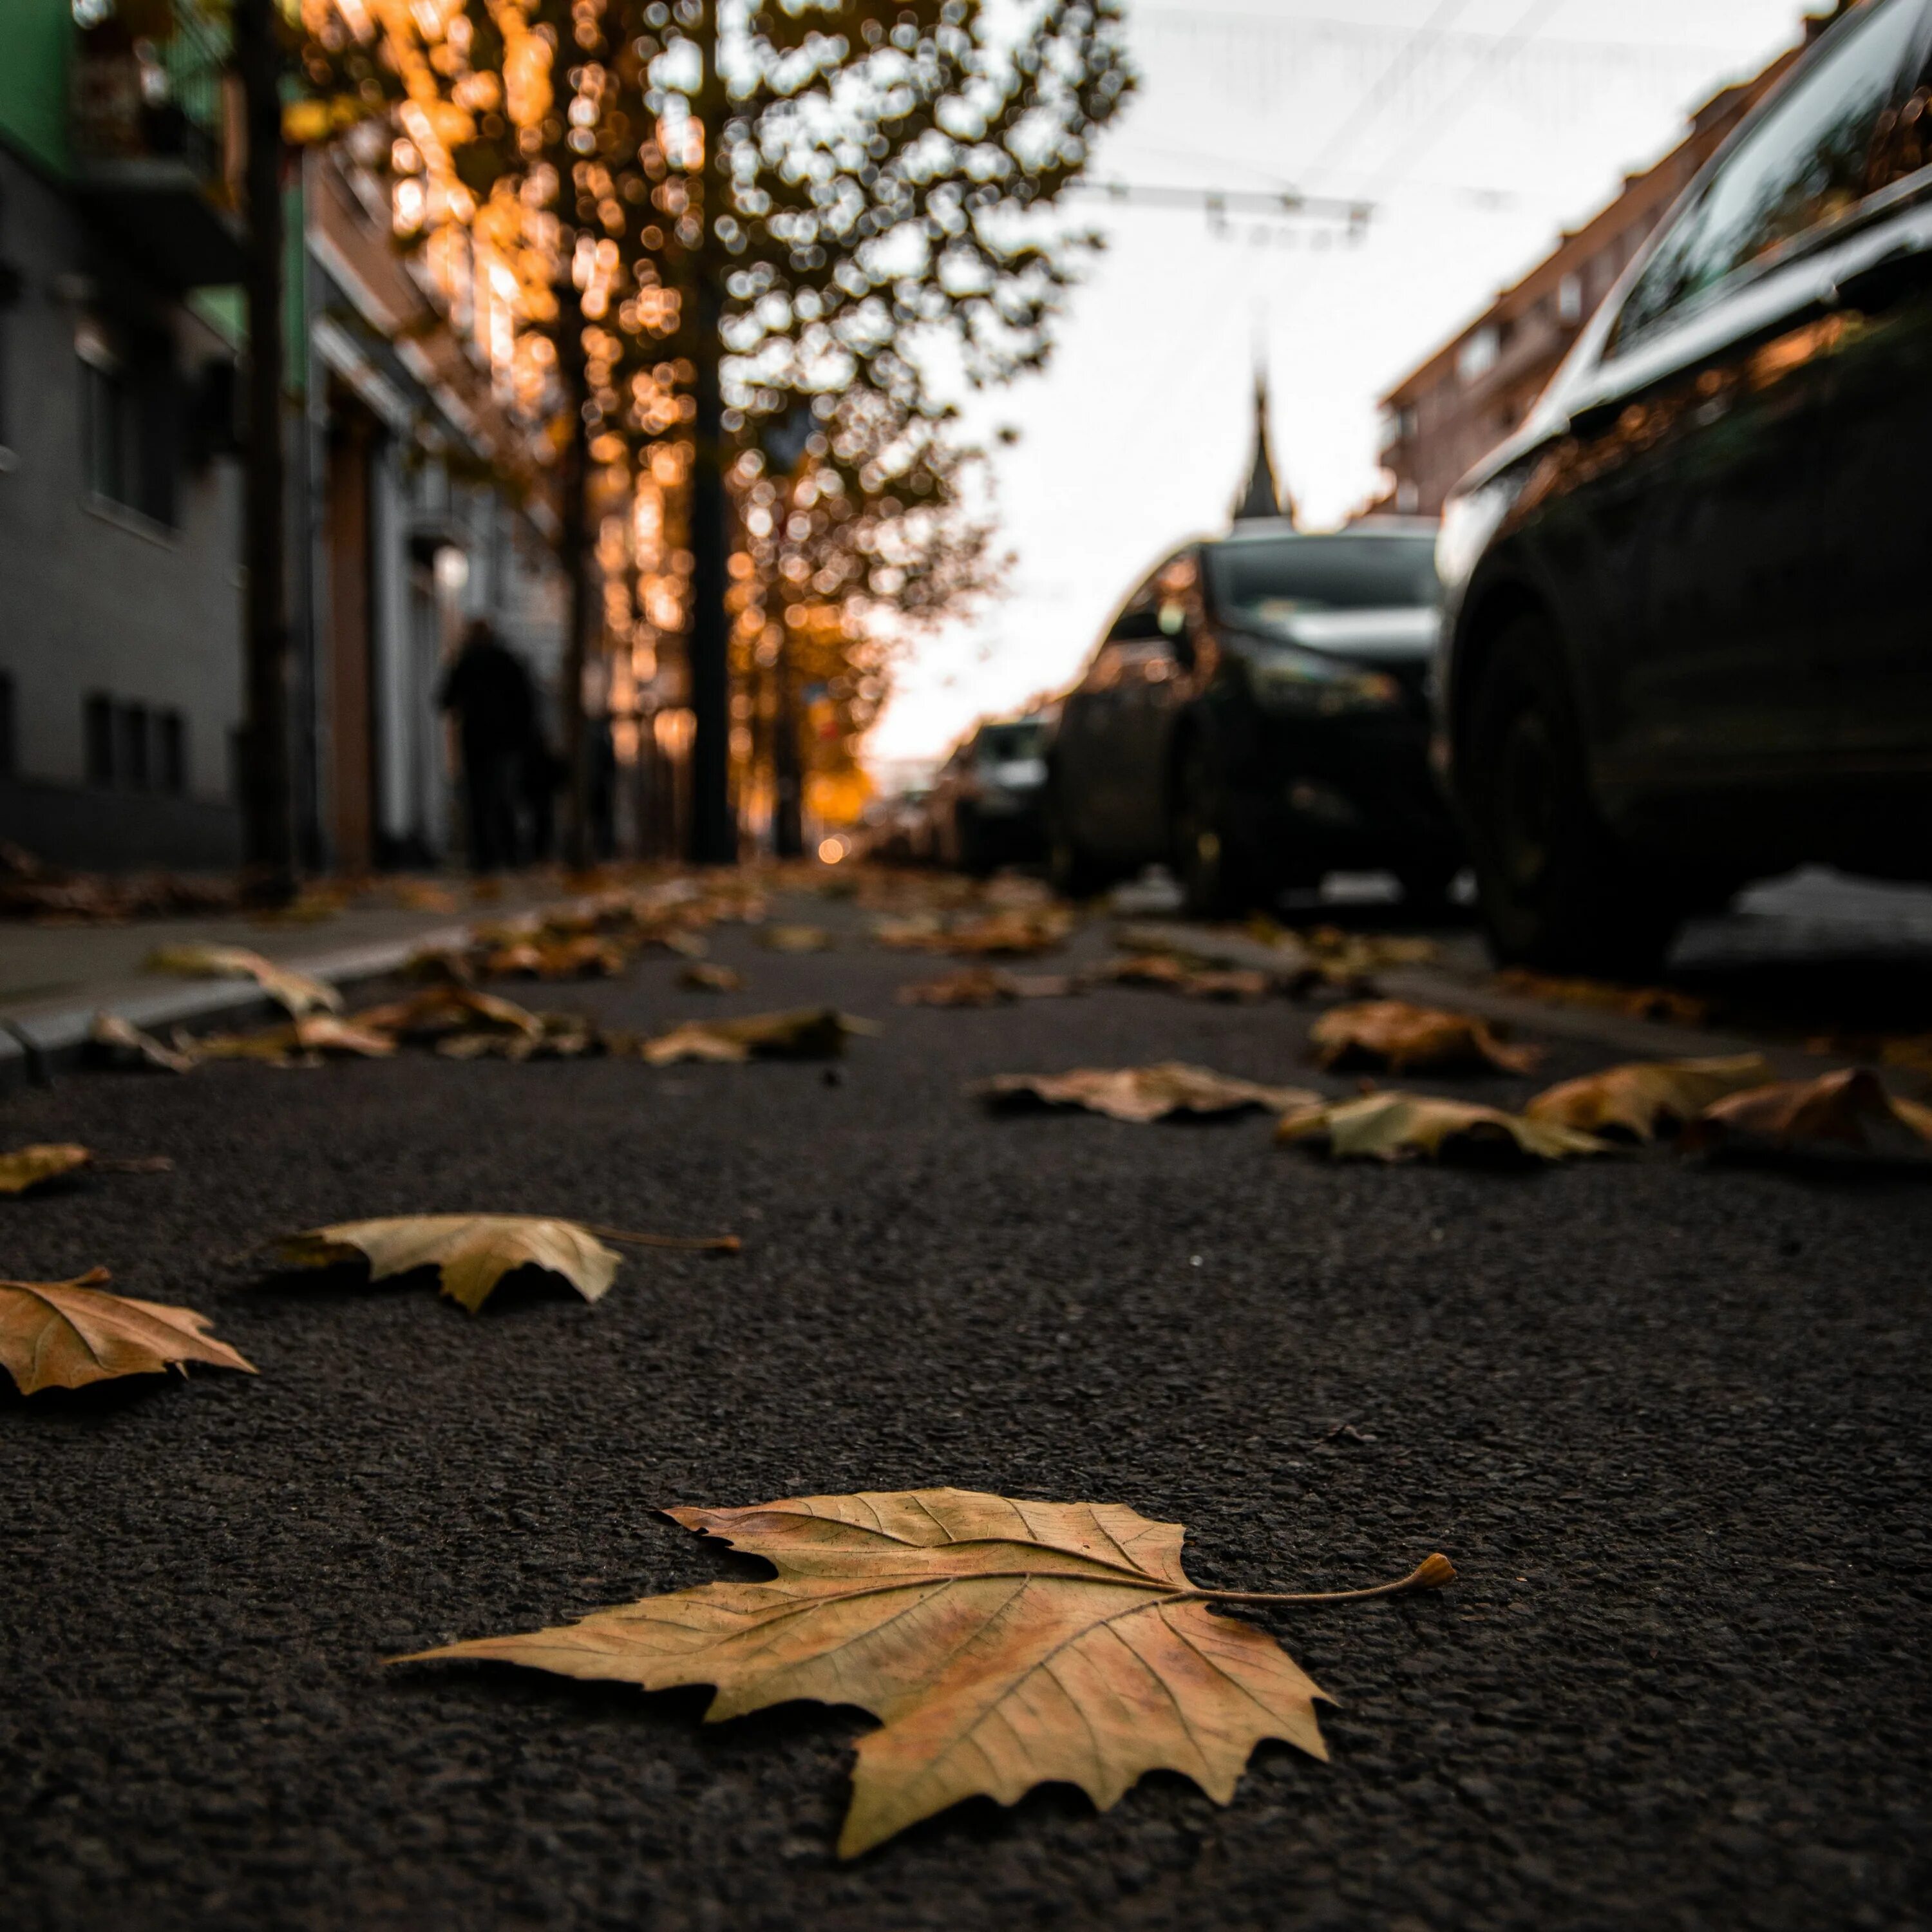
(1479,127)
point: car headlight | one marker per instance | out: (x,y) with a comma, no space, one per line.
(1309,685)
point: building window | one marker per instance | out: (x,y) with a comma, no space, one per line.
(1570,298)
(1477,355)
(133,762)
(128,433)
(171,753)
(97,728)
(10,749)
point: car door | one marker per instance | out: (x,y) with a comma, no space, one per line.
(1876,515)
(1153,686)
(1713,394)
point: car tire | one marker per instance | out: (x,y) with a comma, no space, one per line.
(1557,891)
(1211,858)
(969,843)
(1426,886)
(1072,871)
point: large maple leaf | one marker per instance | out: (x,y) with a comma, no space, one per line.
(1002,1643)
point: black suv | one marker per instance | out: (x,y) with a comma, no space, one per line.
(1688,640)
(1255,716)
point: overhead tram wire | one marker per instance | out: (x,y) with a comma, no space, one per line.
(1372,101)
(1354,212)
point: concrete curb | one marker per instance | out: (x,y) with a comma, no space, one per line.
(34,1049)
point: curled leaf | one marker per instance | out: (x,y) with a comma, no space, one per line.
(441,1009)
(1394,1034)
(971,986)
(1139,1094)
(295,991)
(584,956)
(1643,1097)
(1394,1127)
(1639,1003)
(470,1253)
(66,1334)
(1002,1644)
(1845,1115)
(29,1167)
(120,1041)
(808,1033)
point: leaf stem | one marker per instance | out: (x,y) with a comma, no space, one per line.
(722,1244)
(1431,1574)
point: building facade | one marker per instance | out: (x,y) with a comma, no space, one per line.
(120,592)
(1446,416)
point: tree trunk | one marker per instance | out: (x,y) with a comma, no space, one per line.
(573,545)
(787,773)
(268,804)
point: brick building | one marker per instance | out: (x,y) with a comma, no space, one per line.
(1441,419)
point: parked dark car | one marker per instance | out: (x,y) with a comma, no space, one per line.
(986,803)
(1255,716)
(1688,640)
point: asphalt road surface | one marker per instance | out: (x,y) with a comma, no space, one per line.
(1669,1421)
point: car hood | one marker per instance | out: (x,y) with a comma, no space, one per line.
(1403,635)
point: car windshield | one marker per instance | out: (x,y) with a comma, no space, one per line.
(1269,584)
(1002,744)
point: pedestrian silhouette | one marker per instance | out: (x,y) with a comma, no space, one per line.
(489,692)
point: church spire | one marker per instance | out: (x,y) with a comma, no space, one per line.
(1261,495)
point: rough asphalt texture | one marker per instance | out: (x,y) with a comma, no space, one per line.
(1670,1421)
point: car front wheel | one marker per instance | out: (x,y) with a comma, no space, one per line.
(1557,890)
(1210,854)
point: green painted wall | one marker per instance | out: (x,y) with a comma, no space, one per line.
(36,38)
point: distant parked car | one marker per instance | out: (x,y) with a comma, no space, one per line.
(1689,642)
(986,803)
(1254,716)
(897,830)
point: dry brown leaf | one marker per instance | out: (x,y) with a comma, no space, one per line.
(29,1167)
(700,976)
(1394,1034)
(421,896)
(65,1334)
(446,1009)
(808,1033)
(1845,1115)
(1139,1094)
(1397,1127)
(971,986)
(117,1039)
(560,1036)
(302,1043)
(295,991)
(580,956)
(471,1253)
(1003,1644)
(1644,1095)
(1641,1003)
(1020,930)
(795,939)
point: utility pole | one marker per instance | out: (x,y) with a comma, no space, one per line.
(714,831)
(268,817)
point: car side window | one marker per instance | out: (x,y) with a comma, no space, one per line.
(1812,157)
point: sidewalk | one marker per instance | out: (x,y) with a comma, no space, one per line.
(54,979)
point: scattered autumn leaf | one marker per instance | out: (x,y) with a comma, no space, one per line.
(703,976)
(795,939)
(65,1334)
(1847,1114)
(580,956)
(1639,1098)
(30,1167)
(808,1033)
(119,1040)
(471,1253)
(1639,1003)
(558,1036)
(1393,1127)
(441,1009)
(297,992)
(971,986)
(421,896)
(1018,930)
(1394,1034)
(1003,1644)
(1139,1094)
(302,1043)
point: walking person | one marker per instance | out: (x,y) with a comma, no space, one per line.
(489,690)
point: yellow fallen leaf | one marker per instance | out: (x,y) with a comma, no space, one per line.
(809,1032)
(1391,1126)
(30,1166)
(1003,1644)
(295,991)
(1140,1094)
(1847,1114)
(65,1334)
(471,1253)
(1642,1096)
(1394,1034)
(117,1038)
(795,939)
